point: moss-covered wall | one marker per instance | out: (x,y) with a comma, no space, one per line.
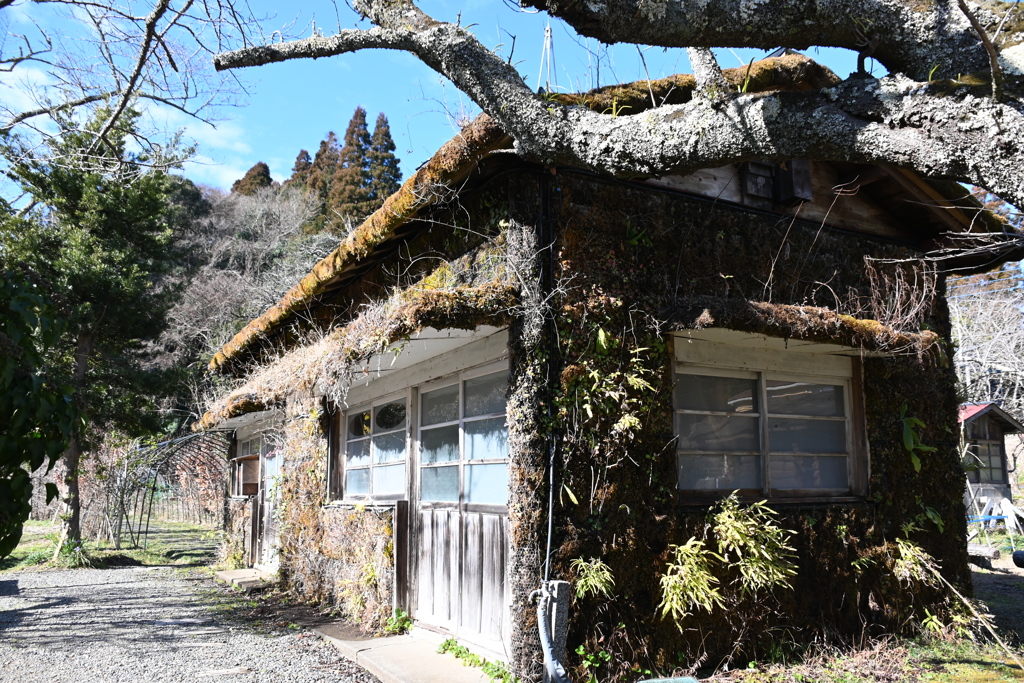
(339,558)
(235,549)
(630,265)
(630,260)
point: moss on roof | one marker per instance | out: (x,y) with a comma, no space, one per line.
(444,171)
(807,323)
(449,165)
(789,72)
(324,363)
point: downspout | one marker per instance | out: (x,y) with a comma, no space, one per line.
(555,671)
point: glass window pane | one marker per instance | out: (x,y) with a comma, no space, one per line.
(389,447)
(487,484)
(439,445)
(250,471)
(808,472)
(389,416)
(441,405)
(251,447)
(806,436)
(801,398)
(440,484)
(719,472)
(486,395)
(357,482)
(486,439)
(390,479)
(723,433)
(720,394)
(358,453)
(359,425)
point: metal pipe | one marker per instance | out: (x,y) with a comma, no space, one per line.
(555,670)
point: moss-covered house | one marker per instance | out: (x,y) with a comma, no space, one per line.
(513,371)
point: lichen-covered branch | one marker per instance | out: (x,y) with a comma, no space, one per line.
(937,128)
(707,72)
(914,37)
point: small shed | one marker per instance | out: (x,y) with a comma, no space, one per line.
(985,428)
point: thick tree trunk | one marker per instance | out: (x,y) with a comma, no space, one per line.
(71,512)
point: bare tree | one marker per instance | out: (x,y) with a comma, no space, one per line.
(927,115)
(988,327)
(109,56)
(244,252)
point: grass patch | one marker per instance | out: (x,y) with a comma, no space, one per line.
(913,661)
(167,543)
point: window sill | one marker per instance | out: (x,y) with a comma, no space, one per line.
(373,504)
(706,501)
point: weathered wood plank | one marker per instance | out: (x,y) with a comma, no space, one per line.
(472,573)
(425,566)
(400,543)
(493,580)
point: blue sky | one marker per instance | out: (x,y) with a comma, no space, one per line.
(292,105)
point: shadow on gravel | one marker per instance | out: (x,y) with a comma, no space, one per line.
(100,615)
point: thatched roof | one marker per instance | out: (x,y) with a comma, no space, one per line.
(447,170)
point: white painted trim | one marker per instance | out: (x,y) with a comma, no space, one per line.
(690,352)
(481,352)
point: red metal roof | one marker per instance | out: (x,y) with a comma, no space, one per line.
(969,410)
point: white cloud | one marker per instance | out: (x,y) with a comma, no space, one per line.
(227,136)
(203,170)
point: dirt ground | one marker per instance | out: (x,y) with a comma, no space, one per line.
(1002,590)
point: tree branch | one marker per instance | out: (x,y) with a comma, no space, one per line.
(990,50)
(69,104)
(347,40)
(889,121)
(910,42)
(129,89)
(708,73)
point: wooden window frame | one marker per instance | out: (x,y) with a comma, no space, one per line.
(338,449)
(799,367)
(1004,478)
(245,456)
(459,379)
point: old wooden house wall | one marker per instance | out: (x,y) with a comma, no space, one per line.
(632,265)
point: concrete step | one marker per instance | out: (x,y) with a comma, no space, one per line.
(247,580)
(399,659)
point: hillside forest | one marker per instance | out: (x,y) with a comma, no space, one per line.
(122,277)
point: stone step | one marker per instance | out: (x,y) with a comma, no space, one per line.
(247,580)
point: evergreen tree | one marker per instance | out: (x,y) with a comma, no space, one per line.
(254,179)
(350,196)
(101,242)
(37,414)
(385,175)
(300,170)
(320,173)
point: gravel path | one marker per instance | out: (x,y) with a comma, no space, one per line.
(144,624)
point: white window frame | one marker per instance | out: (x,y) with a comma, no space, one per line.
(722,360)
(246,455)
(339,460)
(460,380)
